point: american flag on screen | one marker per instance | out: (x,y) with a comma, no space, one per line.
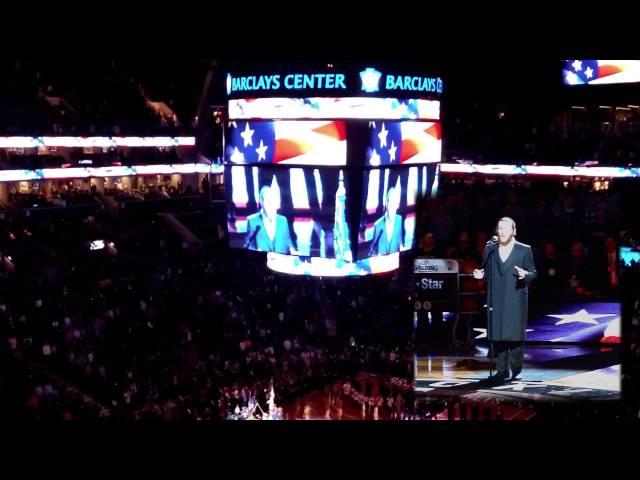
(597,72)
(289,142)
(404,142)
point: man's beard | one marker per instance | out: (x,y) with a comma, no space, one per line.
(506,242)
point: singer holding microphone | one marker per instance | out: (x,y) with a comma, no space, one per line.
(268,231)
(509,268)
(387,231)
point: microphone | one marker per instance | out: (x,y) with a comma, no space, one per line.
(252,238)
(492,241)
(374,245)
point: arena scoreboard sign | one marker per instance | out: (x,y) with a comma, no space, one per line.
(435,284)
(365,81)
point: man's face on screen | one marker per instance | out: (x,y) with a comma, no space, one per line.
(270,203)
(393,203)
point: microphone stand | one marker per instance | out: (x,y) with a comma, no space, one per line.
(252,239)
(488,276)
(374,245)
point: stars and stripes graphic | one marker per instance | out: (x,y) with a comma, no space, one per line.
(404,143)
(334,108)
(577,322)
(287,142)
(597,72)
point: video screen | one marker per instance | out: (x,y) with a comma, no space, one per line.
(630,257)
(287,142)
(327,107)
(393,143)
(388,217)
(291,211)
(600,72)
(330,267)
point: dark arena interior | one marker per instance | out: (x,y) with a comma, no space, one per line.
(205,240)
